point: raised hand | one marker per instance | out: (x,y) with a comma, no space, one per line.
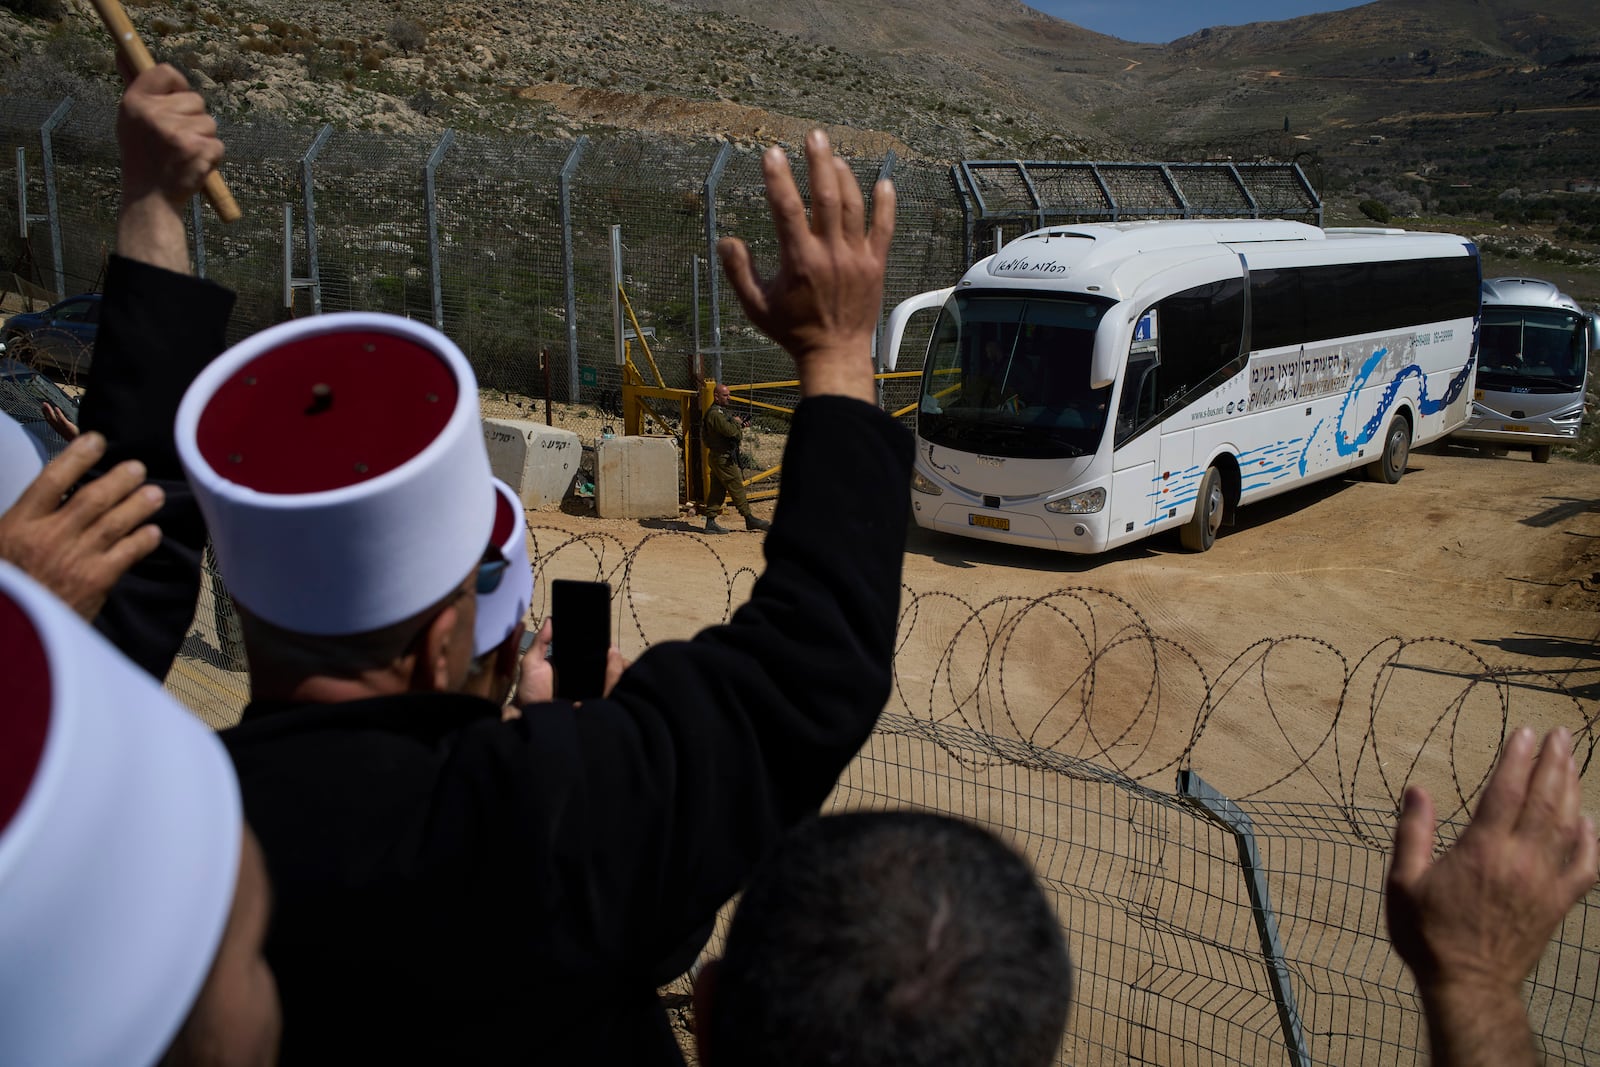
(78,549)
(169,144)
(1472,924)
(822,305)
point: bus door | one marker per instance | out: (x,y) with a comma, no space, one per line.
(1136,444)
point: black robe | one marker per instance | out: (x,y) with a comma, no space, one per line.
(454,889)
(158,330)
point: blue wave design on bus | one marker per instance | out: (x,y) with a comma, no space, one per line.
(1344,444)
(1267,464)
(1185,481)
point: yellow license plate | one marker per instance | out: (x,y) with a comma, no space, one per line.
(1517,427)
(989,522)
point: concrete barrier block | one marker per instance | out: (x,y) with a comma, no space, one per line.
(535,460)
(636,478)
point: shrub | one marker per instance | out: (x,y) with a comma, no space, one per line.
(408,36)
(226,69)
(1375,210)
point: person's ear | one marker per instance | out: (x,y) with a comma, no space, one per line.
(704,1003)
(433,666)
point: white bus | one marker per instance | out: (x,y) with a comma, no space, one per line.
(1533,366)
(1090,385)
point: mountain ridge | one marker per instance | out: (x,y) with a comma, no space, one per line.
(983,79)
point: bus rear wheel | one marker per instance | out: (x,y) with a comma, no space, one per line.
(1541,453)
(1391,466)
(1200,532)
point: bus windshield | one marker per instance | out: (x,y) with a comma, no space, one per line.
(1008,375)
(1529,350)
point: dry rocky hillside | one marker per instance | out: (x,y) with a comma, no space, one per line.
(560,65)
(973,78)
(1475,116)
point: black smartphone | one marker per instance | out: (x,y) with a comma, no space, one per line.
(580,614)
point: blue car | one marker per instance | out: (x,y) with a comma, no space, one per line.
(60,337)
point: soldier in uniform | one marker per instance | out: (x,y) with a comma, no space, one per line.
(723,430)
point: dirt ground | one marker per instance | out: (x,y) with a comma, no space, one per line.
(1339,640)
(1337,643)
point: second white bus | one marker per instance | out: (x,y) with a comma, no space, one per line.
(1090,385)
(1533,368)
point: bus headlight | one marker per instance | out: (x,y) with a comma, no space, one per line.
(923,484)
(1085,503)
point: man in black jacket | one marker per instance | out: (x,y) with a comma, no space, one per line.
(454,888)
(158,327)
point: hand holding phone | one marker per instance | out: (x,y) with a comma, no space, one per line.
(580,614)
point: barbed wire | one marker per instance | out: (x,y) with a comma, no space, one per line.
(1057,718)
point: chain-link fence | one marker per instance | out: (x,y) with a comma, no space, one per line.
(1155,896)
(506,244)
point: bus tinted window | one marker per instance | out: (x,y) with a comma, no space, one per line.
(1202,331)
(1186,344)
(1302,305)
(1532,350)
(1277,309)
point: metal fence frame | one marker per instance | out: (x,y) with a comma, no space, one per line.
(502,242)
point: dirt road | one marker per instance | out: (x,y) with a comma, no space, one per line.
(1339,641)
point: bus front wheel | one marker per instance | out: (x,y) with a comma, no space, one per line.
(1391,466)
(1541,453)
(1200,532)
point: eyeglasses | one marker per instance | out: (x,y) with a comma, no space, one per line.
(490,573)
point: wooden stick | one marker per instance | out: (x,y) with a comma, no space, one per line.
(140,59)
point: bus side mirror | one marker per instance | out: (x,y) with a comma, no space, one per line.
(898,318)
(1108,352)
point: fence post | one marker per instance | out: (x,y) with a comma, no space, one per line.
(619,342)
(694,287)
(1105,191)
(431,205)
(1244,190)
(1311,194)
(885,173)
(957,176)
(1225,813)
(24,220)
(568,269)
(52,209)
(713,177)
(197,223)
(313,271)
